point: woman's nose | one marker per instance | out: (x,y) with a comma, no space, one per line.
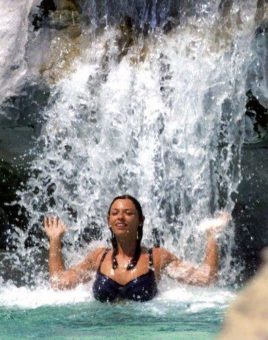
(121,215)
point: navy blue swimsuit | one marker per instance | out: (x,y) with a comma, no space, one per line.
(142,288)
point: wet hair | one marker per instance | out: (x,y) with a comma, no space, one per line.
(137,253)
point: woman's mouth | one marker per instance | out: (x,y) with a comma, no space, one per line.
(121,225)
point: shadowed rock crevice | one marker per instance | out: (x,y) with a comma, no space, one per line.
(44,9)
(12,215)
(21,121)
(250,212)
(57,13)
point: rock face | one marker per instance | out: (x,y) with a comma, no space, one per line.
(13,39)
(21,108)
(12,179)
(57,25)
(20,124)
(251,210)
(247,316)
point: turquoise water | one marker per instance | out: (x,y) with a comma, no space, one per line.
(177,313)
(98,321)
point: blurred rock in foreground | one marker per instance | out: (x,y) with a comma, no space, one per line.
(247,316)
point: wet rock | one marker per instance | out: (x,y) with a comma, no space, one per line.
(41,13)
(261,12)
(21,120)
(59,30)
(247,316)
(12,178)
(13,40)
(64,49)
(67,13)
(144,14)
(257,117)
(61,19)
(59,12)
(3,228)
(251,208)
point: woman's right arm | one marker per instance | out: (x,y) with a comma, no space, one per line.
(62,278)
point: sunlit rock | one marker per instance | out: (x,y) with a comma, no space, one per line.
(62,19)
(64,49)
(247,317)
(13,40)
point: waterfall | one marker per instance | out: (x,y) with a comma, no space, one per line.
(159,116)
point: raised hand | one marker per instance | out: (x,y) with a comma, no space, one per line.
(54,227)
(217,224)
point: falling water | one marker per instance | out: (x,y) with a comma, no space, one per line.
(161,120)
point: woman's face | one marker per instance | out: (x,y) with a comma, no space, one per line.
(123,218)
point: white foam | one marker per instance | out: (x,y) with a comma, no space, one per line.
(195,298)
(198,297)
(24,297)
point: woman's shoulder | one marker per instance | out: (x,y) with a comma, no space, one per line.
(98,252)
(156,251)
(163,255)
(161,251)
(94,256)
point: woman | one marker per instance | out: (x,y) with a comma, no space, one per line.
(128,270)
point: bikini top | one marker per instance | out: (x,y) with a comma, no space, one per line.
(142,288)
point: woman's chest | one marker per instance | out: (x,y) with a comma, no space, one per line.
(121,275)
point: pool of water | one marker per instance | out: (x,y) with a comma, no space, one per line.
(177,313)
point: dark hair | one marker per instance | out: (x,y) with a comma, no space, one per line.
(137,253)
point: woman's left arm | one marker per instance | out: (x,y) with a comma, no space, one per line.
(186,272)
